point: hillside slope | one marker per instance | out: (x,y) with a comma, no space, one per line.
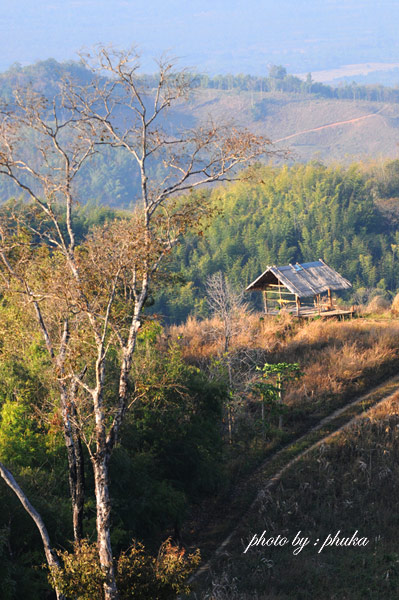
(310,125)
(357,129)
(341,492)
(326,130)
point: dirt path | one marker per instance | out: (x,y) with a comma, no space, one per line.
(337,124)
(272,469)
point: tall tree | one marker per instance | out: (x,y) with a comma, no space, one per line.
(89,298)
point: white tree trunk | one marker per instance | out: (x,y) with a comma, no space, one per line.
(103,522)
(51,557)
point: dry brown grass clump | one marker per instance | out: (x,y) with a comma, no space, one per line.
(378,304)
(337,368)
(334,355)
(201,339)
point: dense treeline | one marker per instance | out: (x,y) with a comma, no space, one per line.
(281,81)
(44,76)
(281,215)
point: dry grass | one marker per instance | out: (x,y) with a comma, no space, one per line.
(378,304)
(335,356)
(202,339)
(349,483)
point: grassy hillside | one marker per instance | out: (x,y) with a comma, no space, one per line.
(281,115)
(347,484)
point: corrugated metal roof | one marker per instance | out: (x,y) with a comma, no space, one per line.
(303,280)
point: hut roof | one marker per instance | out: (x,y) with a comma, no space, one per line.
(303,280)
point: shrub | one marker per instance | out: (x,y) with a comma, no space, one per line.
(143,577)
(81,576)
(378,304)
(139,575)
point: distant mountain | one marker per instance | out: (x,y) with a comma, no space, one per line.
(306,120)
(44,76)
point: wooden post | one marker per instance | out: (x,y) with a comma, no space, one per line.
(265,302)
(280,399)
(330,298)
(298,305)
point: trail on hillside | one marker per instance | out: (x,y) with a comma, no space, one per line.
(268,477)
(336,124)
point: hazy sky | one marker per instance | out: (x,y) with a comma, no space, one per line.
(212,35)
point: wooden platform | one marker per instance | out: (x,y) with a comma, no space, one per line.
(326,314)
(310,312)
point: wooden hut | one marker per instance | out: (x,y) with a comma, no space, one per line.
(303,289)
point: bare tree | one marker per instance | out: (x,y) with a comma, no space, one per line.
(227,304)
(62,145)
(89,300)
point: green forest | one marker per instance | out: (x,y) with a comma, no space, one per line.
(348,216)
(281,215)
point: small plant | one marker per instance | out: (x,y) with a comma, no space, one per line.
(272,385)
